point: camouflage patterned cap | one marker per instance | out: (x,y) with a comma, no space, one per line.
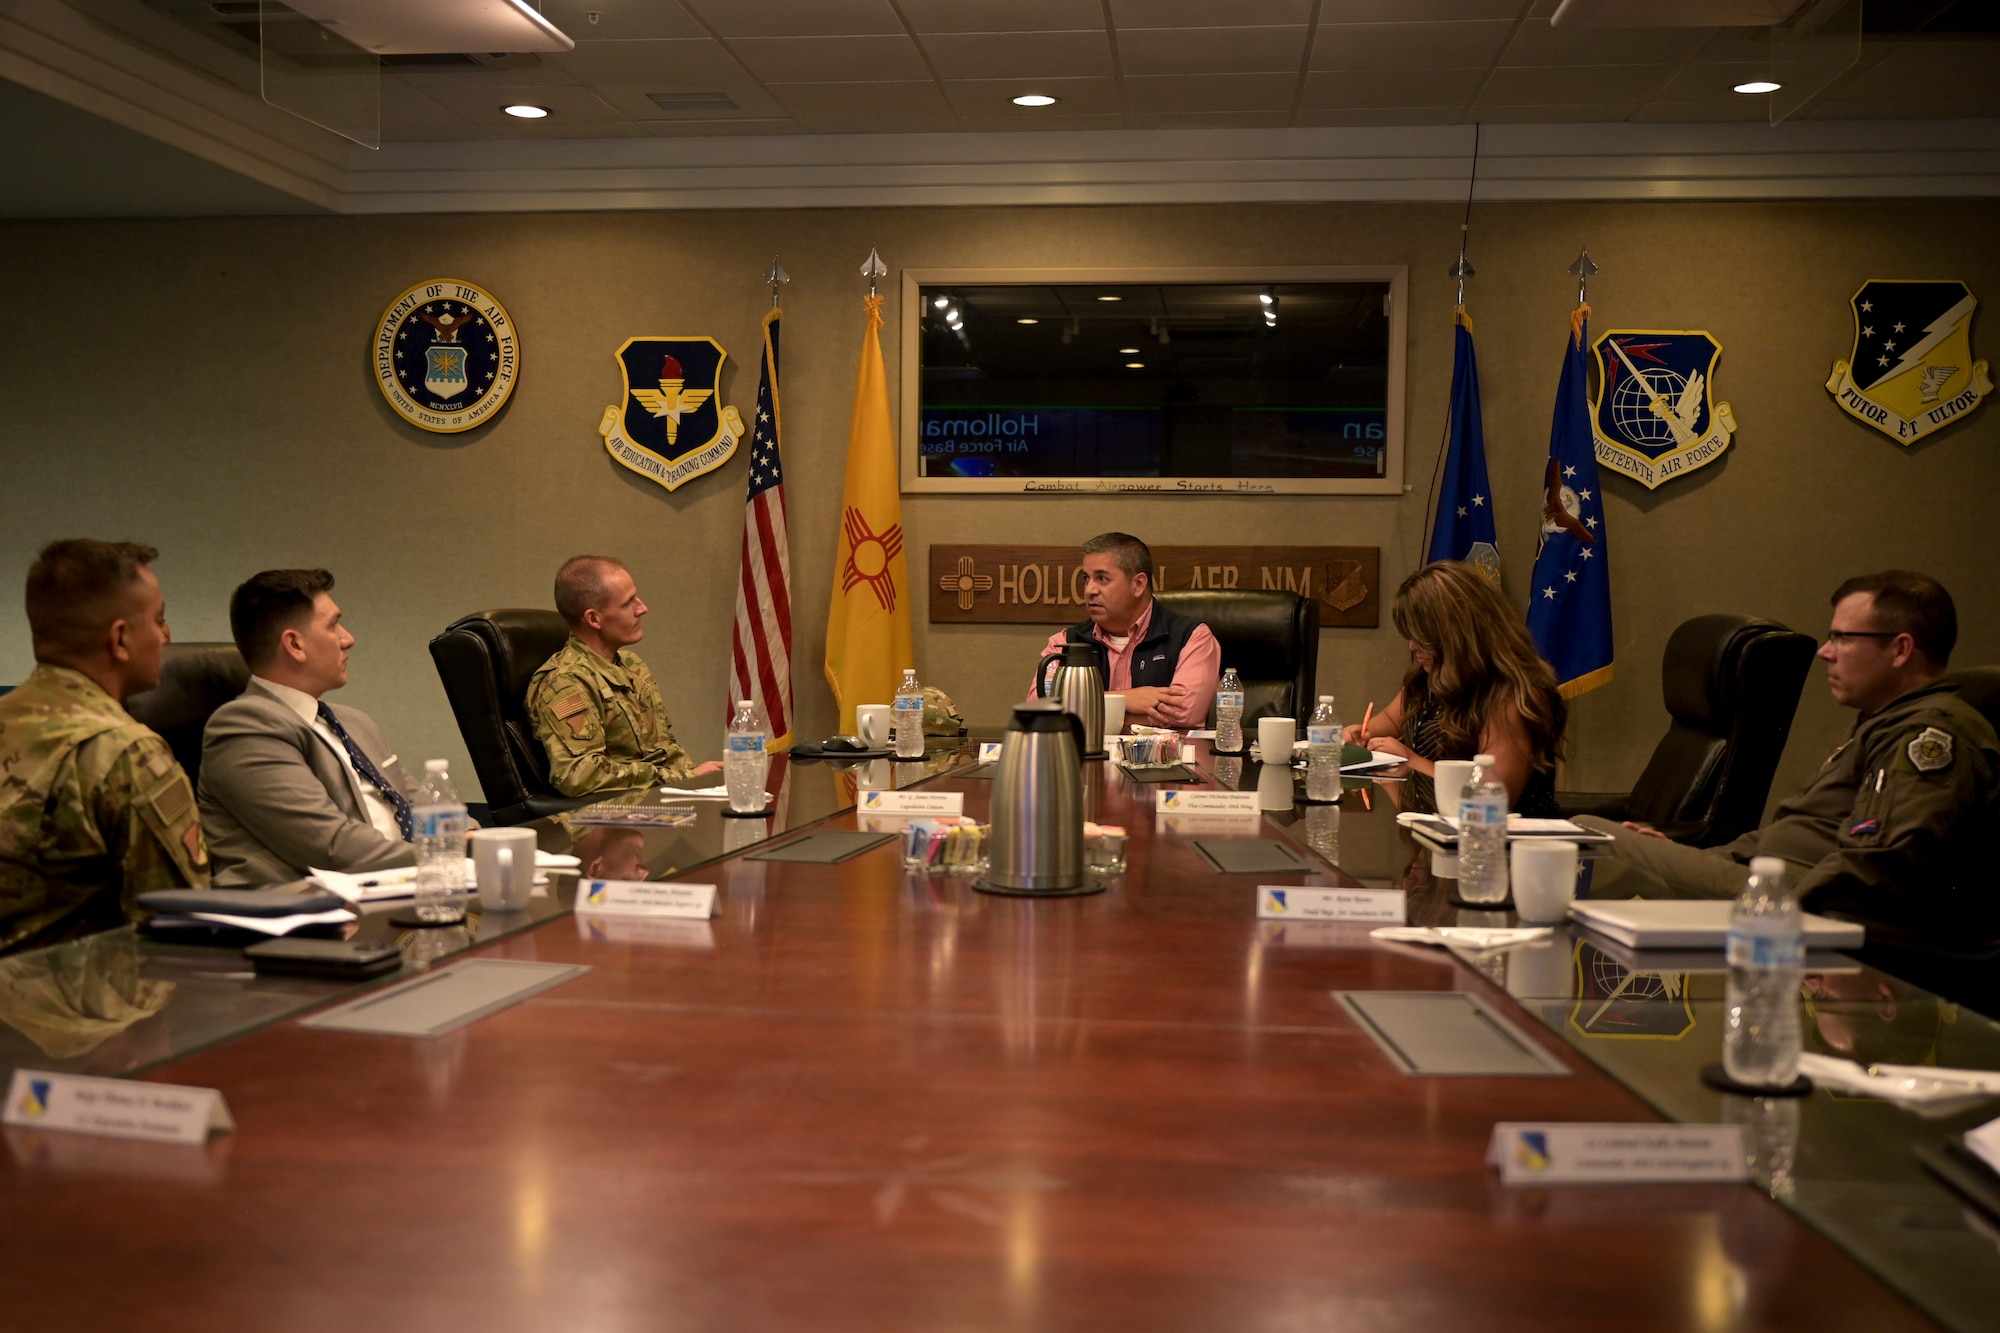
(941,715)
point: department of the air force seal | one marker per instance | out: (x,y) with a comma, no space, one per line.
(1654,415)
(669,426)
(1911,370)
(446,356)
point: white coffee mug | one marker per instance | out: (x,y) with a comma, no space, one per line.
(1114,714)
(873,722)
(1450,779)
(503,865)
(1274,787)
(1274,739)
(1544,875)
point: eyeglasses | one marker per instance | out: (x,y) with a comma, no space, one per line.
(1836,637)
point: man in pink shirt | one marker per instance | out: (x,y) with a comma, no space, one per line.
(1164,664)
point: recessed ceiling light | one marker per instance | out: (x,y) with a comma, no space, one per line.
(1034,99)
(1128,351)
(526,112)
(1135,365)
(941,302)
(1110,298)
(1266,298)
(1027,321)
(1759,86)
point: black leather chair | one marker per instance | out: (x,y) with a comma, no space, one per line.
(1271,637)
(1732,686)
(195,680)
(1980,687)
(485,661)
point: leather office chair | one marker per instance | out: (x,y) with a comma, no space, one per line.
(485,661)
(1732,686)
(1980,687)
(195,680)
(1270,636)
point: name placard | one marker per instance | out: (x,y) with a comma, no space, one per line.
(989,751)
(631,897)
(1289,902)
(667,932)
(119,1108)
(1587,1154)
(911,803)
(1180,800)
(1207,826)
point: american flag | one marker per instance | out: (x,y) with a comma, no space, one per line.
(762,652)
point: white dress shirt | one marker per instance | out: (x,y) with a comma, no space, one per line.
(380,813)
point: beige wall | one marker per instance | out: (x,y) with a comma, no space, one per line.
(204,386)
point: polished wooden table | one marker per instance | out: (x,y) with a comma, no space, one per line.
(860,1100)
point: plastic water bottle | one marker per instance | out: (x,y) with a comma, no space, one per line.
(1323,752)
(909,710)
(1766,954)
(1229,713)
(1482,835)
(438,817)
(745,762)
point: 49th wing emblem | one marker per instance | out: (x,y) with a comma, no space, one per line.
(670,427)
(1911,370)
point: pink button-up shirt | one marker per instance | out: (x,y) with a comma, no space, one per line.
(1195,673)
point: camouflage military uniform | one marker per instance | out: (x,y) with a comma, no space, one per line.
(1889,829)
(93,811)
(603,723)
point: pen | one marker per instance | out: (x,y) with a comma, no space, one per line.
(1365,716)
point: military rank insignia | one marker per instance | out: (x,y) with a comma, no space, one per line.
(1655,415)
(670,426)
(446,356)
(1911,370)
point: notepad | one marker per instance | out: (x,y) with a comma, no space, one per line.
(1665,923)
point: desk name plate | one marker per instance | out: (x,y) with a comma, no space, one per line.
(1289,902)
(911,803)
(115,1107)
(1181,800)
(627,897)
(1613,1154)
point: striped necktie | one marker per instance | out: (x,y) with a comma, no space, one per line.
(371,774)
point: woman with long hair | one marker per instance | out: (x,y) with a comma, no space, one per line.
(1475,686)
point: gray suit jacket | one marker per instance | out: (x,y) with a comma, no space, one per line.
(276,800)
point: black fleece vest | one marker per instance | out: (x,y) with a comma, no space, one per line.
(1156,656)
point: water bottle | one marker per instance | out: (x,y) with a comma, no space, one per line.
(1229,713)
(1482,835)
(745,763)
(1766,954)
(909,710)
(1323,752)
(438,820)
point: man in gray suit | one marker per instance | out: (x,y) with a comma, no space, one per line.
(288,781)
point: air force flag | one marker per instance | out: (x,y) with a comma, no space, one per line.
(1569,603)
(1463,528)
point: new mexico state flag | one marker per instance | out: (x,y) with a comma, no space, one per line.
(868,627)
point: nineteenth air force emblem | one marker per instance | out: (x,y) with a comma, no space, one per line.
(1911,370)
(1655,416)
(446,355)
(670,427)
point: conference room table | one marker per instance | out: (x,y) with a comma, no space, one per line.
(862,1097)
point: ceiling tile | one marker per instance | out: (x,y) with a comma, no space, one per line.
(1003,15)
(1211,92)
(664,64)
(1204,13)
(551,129)
(458,133)
(1408,45)
(1210,120)
(865,108)
(1418,11)
(670,129)
(1240,50)
(1391,87)
(831,59)
(630,99)
(1553,85)
(1536,42)
(1900,108)
(480,104)
(798,18)
(1925,80)
(621,19)
(994,97)
(1401,115)
(542,72)
(1946,48)
(1555,114)
(1004,124)
(1739,108)
(404,104)
(1702,82)
(1020,55)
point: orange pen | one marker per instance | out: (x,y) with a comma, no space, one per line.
(1364,721)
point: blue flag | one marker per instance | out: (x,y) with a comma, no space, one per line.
(1463,528)
(1569,603)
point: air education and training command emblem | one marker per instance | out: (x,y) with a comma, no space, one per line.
(1911,370)
(669,426)
(446,356)
(1654,416)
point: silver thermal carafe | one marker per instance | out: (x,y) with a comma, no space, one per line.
(1077,684)
(1036,846)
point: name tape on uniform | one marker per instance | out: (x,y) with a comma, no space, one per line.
(989,751)
(1289,902)
(631,897)
(1180,800)
(1586,1154)
(911,803)
(119,1108)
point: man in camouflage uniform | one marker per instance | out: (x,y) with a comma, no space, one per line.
(94,810)
(1890,830)
(594,705)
